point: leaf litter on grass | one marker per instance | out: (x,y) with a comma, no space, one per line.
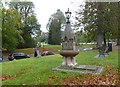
(7,77)
(110,77)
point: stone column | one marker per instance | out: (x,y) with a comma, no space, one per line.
(64,63)
(74,61)
(69,61)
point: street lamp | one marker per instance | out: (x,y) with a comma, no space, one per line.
(68,15)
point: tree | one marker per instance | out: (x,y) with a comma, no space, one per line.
(42,37)
(118,35)
(90,17)
(30,26)
(97,21)
(54,27)
(54,33)
(82,37)
(1,6)
(10,33)
(0,28)
(86,17)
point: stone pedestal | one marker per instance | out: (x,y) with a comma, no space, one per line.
(69,57)
(69,61)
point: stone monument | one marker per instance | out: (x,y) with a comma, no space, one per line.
(68,44)
(69,52)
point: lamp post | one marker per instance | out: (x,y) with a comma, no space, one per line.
(68,15)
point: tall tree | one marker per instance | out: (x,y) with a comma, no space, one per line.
(99,21)
(30,24)
(89,19)
(55,33)
(0,27)
(118,35)
(10,33)
(108,14)
(54,27)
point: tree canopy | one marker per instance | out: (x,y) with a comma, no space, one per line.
(108,16)
(10,33)
(30,26)
(100,22)
(54,27)
(0,28)
(19,25)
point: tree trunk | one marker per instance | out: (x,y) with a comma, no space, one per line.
(99,30)
(118,42)
(104,39)
(101,47)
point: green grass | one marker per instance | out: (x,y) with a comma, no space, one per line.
(25,50)
(31,50)
(52,47)
(38,71)
(46,48)
(87,45)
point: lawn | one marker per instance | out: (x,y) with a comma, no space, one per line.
(38,71)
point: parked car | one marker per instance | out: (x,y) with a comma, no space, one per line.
(17,55)
(45,53)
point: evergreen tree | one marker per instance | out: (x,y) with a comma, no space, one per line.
(54,27)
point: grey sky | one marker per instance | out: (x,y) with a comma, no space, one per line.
(45,8)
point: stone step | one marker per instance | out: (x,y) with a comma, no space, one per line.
(84,67)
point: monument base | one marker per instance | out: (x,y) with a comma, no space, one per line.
(69,61)
(81,69)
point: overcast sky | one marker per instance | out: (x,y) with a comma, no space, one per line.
(45,8)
